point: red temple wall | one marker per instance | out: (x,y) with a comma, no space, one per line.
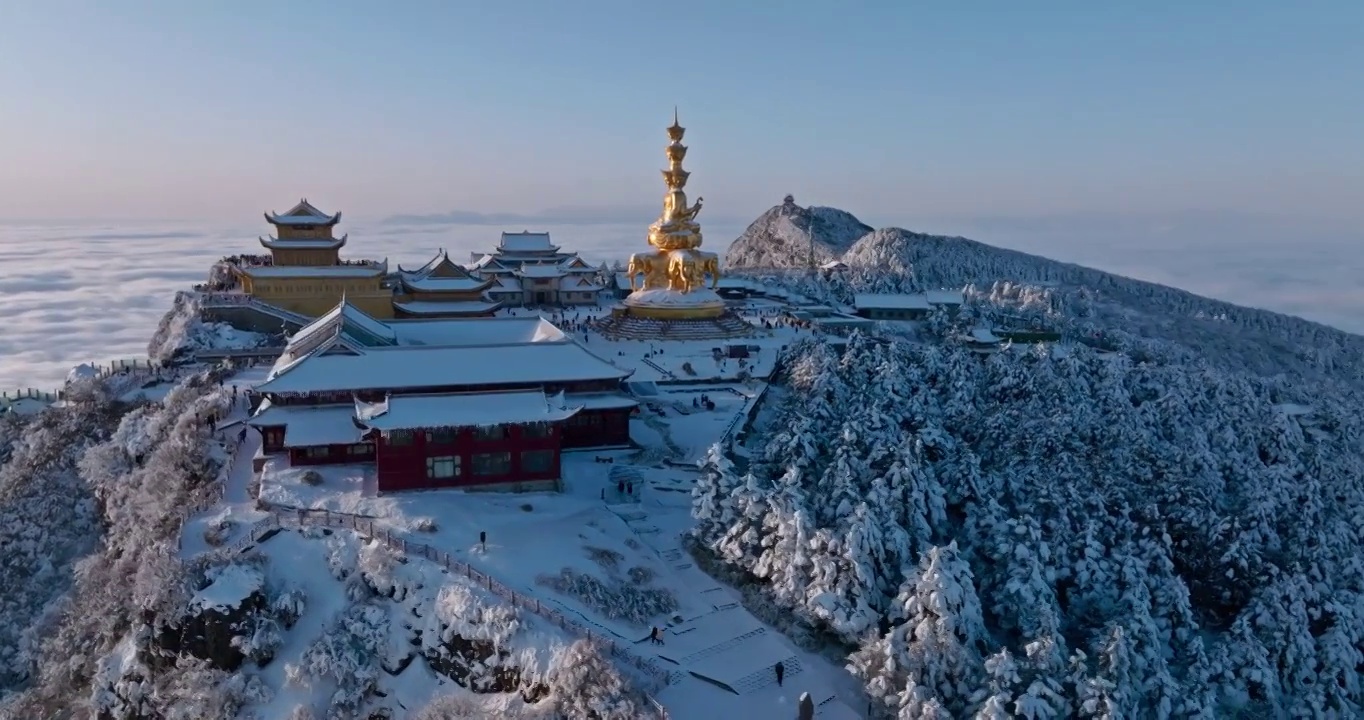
(334,455)
(404,467)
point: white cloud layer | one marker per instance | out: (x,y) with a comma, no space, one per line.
(72,294)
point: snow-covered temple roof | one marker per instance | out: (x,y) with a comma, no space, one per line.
(274,243)
(946,297)
(425,307)
(436,367)
(908,301)
(602,401)
(487,263)
(344,319)
(360,330)
(984,336)
(310,426)
(476,331)
(302,214)
(505,284)
(526,241)
(891,301)
(445,284)
(458,410)
(282,271)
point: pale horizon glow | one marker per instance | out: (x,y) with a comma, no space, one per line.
(896,112)
(1213,147)
(93,293)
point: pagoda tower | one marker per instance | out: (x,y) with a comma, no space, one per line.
(304,236)
(670,281)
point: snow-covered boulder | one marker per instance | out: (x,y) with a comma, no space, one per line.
(781,237)
(222,625)
(84,372)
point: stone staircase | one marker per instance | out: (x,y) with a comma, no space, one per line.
(759,679)
(728,325)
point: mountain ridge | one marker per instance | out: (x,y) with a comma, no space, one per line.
(781,236)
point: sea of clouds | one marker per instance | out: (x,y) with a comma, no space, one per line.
(71,294)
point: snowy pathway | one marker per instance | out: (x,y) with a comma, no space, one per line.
(726,658)
(237,485)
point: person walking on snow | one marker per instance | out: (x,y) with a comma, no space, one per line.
(781,672)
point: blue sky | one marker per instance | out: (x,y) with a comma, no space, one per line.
(898,111)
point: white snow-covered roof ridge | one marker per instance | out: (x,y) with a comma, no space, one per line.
(446,284)
(304,213)
(463,332)
(527,241)
(946,297)
(457,410)
(273,243)
(898,301)
(415,367)
(426,267)
(346,318)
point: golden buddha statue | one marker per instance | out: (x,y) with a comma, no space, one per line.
(674,275)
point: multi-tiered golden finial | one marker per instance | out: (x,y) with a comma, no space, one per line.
(675,273)
(676,228)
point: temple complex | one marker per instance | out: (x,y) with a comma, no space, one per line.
(305,273)
(673,285)
(442,289)
(440,403)
(528,269)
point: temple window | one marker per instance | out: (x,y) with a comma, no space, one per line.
(360,449)
(537,461)
(317,452)
(399,438)
(536,431)
(445,466)
(498,463)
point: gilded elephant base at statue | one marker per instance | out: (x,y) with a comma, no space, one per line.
(664,304)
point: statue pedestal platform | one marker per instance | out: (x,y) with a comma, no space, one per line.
(700,304)
(624,324)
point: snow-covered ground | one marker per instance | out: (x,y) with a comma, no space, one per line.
(610,560)
(304,560)
(683,360)
(534,537)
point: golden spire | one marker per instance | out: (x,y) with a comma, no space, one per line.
(676,131)
(675,176)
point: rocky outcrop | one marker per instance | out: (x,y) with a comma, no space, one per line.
(167,342)
(785,235)
(229,607)
(476,664)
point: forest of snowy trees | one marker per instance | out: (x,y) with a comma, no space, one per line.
(1044,535)
(1085,302)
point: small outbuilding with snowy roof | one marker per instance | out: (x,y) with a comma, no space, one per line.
(442,289)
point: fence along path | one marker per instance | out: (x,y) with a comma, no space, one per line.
(655,677)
